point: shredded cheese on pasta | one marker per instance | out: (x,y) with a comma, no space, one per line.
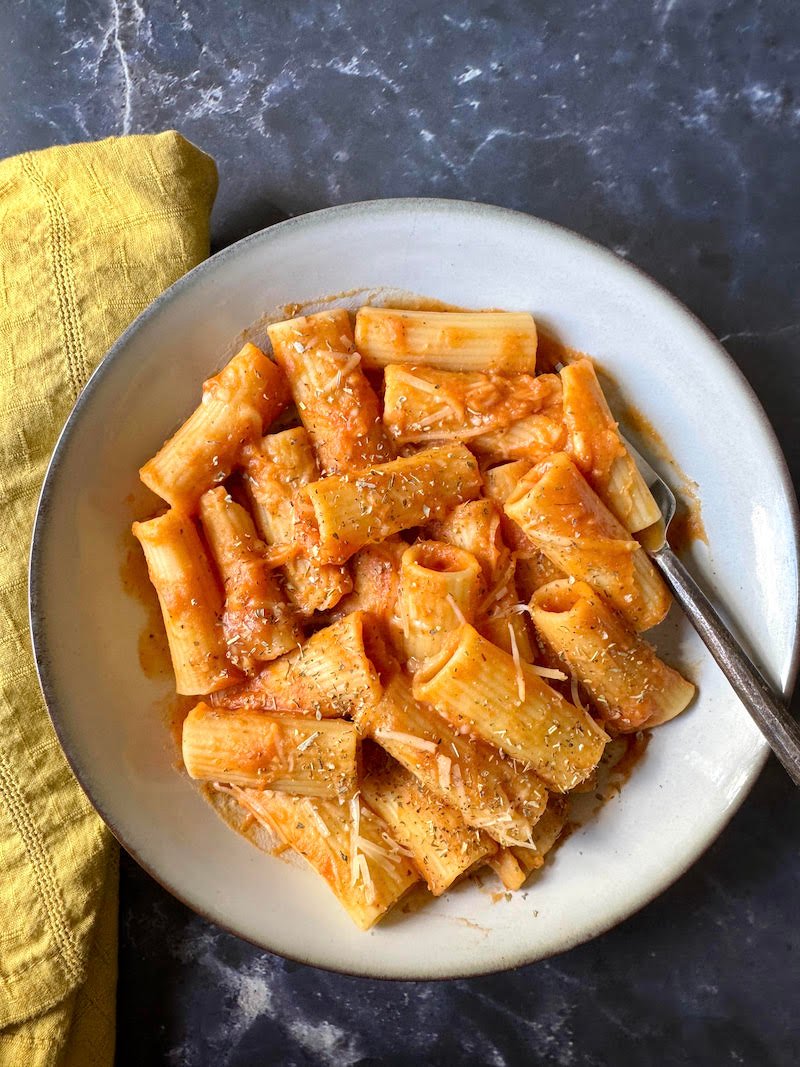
(366,878)
(381,855)
(414,381)
(322,826)
(576,697)
(548,672)
(336,380)
(518,609)
(355,826)
(406,739)
(444,765)
(517,663)
(395,846)
(439,415)
(309,741)
(459,614)
(458,783)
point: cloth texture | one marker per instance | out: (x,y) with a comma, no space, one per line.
(90,234)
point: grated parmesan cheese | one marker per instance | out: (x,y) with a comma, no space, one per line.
(517,663)
(395,846)
(439,415)
(378,853)
(322,826)
(444,764)
(366,878)
(355,826)
(517,609)
(405,739)
(414,381)
(459,614)
(458,783)
(576,697)
(337,379)
(309,741)
(548,672)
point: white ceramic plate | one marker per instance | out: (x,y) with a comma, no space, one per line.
(696,770)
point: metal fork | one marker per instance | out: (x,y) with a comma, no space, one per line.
(773,718)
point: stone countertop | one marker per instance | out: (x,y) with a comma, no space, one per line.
(668,131)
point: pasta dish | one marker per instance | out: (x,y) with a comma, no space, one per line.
(399,570)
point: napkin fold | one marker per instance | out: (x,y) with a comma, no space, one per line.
(90,234)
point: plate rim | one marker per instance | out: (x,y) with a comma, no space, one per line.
(37,594)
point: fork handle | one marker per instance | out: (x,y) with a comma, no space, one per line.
(773,718)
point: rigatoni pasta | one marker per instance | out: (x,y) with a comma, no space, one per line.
(276,470)
(475,527)
(348,845)
(271,750)
(515,865)
(440,588)
(534,570)
(629,685)
(594,442)
(352,510)
(421,404)
(441,844)
(502,341)
(491,793)
(476,685)
(413,605)
(532,437)
(257,622)
(375,571)
(335,402)
(191,603)
(237,405)
(562,515)
(329,675)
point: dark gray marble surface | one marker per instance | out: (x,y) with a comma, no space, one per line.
(668,130)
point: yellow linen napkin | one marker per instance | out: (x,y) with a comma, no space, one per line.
(89,235)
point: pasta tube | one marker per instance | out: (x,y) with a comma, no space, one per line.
(508,870)
(533,571)
(501,618)
(191,602)
(475,527)
(328,676)
(238,403)
(515,865)
(598,451)
(476,685)
(276,469)
(502,480)
(499,483)
(355,509)
(502,341)
(329,329)
(271,751)
(348,845)
(441,845)
(257,623)
(563,516)
(629,685)
(440,586)
(421,404)
(533,438)
(492,793)
(336,403)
